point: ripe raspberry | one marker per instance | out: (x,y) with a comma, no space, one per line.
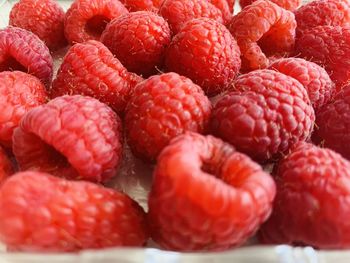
(19,93)
(323,13)
(286,4)
(161,108)
(263,29)
(91,69)
(207,196)
(85,19)
(40,212)
(71,136)
(205,51)
(265,116)
(311,205)
(315,79)
(179,12)
(6,167)
(226,7)
(139,41)
(142,5)
(44,18)
(328,46)
(24,51)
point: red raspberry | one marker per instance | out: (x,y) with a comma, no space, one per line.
(139,41)
(286,4)
(24,51)
(179,12)
(226,7)
(19,93)
(207,196)
(328,46)
(44,18)
(265,116)
(161,108)
(315,79)
(40,212)
(91,69)
(333,122)
(141,5)
(205,51)
(323,13)
(6,167)
(311,205)
(85,19)
(263,29)
(72,136)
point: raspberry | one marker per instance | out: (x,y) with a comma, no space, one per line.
(19,93)
(6,168)
(266,114)
(179,12)
(40,212)
(207,196)
(91,69)
(263,29)
(226,7)
(315,79)
(205,51)
(323,13)
(330,47)
(24,51)
(139,41)
(286,4)
(311,205)
(72,136)
(85,19)
(141,5)
(161,108)
(44,18)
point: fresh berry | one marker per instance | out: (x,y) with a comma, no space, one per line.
(263,29)
(266,114)
(330,47)
(40,212)
(207,196)
(19,93)
(142,5)
(6,167)
(161,108)
(311,206)
(205,51)
(179,12)
(85,19)
(286,4)
(315,79)
(22,50)
(139,41)
(91,69)
(44,18)
(71,136)
(226,7)
(323,13)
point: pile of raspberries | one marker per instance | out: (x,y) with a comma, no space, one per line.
(244,120)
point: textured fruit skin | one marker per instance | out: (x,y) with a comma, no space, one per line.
(161,108)
(6,167)
(314,78)
(215,208)
(226,7)
(312,204)
(205,51)
(43,213)
(142,5)
(139,41)
(71,136)
(44,18)
(323,13)
(330,47)
(19,93)
(333,123)
(179,12)
(286,4)
(265,115)
(263,29)
(90,69)
(77,27)
(24,51)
